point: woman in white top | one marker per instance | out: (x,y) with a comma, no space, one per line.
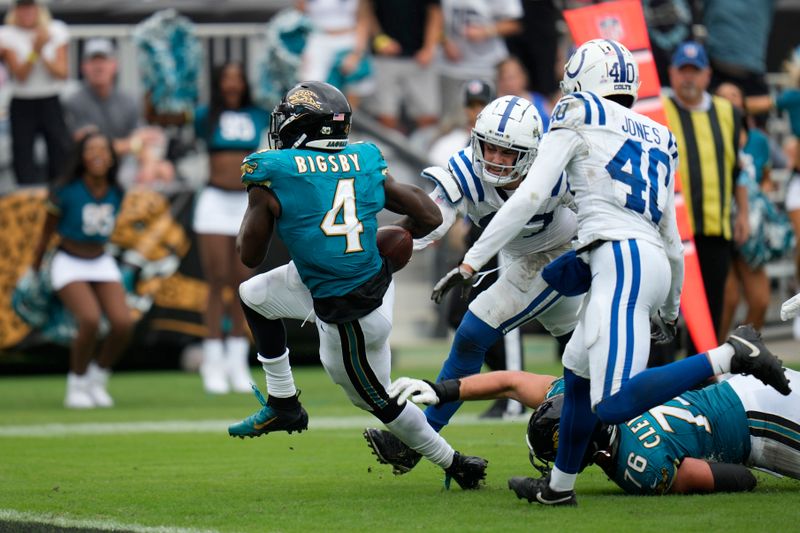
(35,49)
(338,42)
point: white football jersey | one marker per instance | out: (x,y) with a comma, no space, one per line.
(552,225)
(622,171)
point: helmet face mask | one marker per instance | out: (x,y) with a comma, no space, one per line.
(507,123)
(603,67)
(543,435)
(312,115)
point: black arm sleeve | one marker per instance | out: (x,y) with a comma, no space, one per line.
(732,478)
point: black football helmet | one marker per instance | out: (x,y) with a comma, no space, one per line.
(313,114)
(542,436)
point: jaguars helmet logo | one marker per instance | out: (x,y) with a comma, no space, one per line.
(305,97)
(248,167)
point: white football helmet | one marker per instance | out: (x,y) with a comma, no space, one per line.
(603,67)
(510,122)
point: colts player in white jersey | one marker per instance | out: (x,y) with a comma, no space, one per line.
(621,170)
(478,181)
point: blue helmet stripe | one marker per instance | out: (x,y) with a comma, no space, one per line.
(623,71)
(507,114)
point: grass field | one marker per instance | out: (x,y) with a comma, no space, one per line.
(162,461)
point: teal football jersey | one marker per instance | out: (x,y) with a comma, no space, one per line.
(706,424)
(329,203)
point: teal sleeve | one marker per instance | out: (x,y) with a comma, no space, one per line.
(258,167)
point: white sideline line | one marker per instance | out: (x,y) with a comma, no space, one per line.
(8,515)
(202,426)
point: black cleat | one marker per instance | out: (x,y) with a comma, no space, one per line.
(539,491)
(391,451)
(468,471)
(752,357)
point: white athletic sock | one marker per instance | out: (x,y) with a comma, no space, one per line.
(280,382)
(561,481)
(413,429)
(720,358)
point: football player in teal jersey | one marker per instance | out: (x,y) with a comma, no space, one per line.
(700,441)
(322,194)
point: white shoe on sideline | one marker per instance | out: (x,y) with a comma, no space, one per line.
(78,396)
(239,371)
(214,371)
(98,385)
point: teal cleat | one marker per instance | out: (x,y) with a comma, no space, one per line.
(269,419)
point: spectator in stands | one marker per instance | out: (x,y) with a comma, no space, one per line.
(537,44)
(512,78)
(704,124)
(82,209)
(35,51)
(475,94)
(474,42)
(751,280)
(669,23)
(407,34)
(100,105)
(732,56)
(231,126)
(336,50)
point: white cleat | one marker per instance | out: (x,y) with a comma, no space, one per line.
(78,396)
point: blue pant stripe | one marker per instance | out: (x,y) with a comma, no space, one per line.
(532,311)
(614,337)
(636,268)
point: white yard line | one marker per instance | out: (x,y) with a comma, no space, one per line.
(9,518)
(201,426)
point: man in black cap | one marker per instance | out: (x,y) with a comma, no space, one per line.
(475,94)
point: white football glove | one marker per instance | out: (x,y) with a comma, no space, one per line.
(418,390)
(791,307)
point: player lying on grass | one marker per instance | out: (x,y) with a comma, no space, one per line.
(700,441)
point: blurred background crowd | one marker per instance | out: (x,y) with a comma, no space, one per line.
(182,90)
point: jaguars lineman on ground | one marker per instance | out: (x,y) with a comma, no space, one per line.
(697,442)
(322,194)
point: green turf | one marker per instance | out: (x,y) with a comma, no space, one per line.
(321,480)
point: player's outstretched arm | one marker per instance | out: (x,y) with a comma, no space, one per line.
(422,214)
(698,476)
(255,232)
(527,388)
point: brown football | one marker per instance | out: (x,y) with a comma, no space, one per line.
(395,244)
